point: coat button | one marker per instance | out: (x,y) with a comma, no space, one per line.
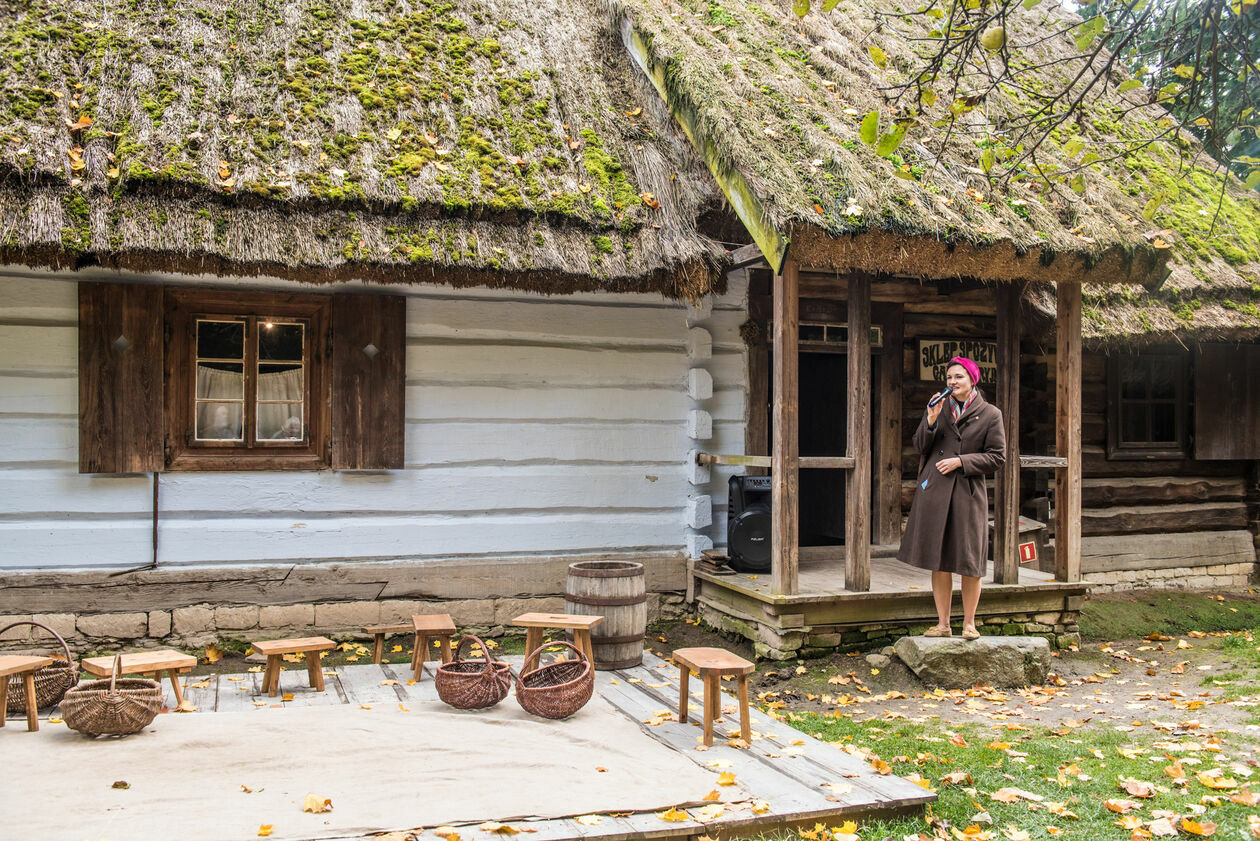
(942,452)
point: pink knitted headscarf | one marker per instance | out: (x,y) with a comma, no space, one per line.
(972,369)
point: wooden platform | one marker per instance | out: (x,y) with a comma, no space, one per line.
(783,766)
(899,593)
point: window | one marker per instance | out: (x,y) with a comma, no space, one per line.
(1147,415)
(247,383)
(194,379)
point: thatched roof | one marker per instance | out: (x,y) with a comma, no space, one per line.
(480,141)
(776,106)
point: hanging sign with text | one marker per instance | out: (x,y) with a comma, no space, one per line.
(934,356)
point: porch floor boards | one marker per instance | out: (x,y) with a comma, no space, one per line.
(784,767)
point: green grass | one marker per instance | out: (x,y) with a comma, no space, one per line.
(1130,617)
(925,749)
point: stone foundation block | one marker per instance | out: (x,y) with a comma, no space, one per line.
(236,618)
(505,610)
(400,611)
(159,623)
(115,625)
(20,633)
(955,663)
(286,616)
(347,615)
(192,620)
(1066,641)
(62,623)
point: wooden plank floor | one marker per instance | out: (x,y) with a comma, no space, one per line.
(822,578)
(783,767)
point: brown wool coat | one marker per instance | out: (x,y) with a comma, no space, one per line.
(949,519)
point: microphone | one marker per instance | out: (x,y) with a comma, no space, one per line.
(939,397)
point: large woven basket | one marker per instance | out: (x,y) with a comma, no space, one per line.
(560,688)
(114,707)
(472,684)
(51,682)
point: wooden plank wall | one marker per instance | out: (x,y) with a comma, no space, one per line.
(535,425)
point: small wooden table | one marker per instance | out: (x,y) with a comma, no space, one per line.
(150,664)
(711,664)
(24,665)
(536,623)
(437,626)
(275,651)
(378,632)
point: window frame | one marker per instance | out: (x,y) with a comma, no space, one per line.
(1131,450)
(184,307)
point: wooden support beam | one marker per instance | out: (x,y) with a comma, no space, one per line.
(804,462)
(1067,492)
(785,441)
(1035,462)
(1006,498)
(748,255)
(887,514)
(857,496)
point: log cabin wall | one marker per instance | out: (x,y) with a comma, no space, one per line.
(538,430)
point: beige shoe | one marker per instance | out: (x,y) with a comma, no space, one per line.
(970,634)
(938,631)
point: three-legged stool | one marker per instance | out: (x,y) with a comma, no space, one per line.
(711,664)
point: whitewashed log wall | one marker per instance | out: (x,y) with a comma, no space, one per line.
(535,426)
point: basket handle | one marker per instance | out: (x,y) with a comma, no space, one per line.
(485,651)
(66,648)
(536,654)
(115,671)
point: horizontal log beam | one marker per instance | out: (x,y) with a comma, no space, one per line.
(806,462)
(1035,462)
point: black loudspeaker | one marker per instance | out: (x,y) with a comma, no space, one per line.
(748,523)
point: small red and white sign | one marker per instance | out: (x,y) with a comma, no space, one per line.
(1027,552)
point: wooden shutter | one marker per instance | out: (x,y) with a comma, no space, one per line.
(369,354)
(120,378)
(1227,402)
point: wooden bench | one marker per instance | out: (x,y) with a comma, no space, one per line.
(24,665)
(152,664)
(711,664)
(536,623)
(428,626)
(275,651)
(378,633)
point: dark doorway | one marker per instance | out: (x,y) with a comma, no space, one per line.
(824,421)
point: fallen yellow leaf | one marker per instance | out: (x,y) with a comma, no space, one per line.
(713,795)
(726,778)
(185,706)
(315,804)
(213,654)
(1196,828)
(589,820)
(501,828)
(675,814)
(264,830)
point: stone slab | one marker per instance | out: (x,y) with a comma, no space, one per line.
(956,663)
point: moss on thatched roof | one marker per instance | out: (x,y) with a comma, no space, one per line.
(777,104)
(466,142)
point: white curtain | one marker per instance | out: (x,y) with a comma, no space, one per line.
(216,384)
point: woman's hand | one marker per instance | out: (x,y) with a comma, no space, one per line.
(934,412)
(948,465)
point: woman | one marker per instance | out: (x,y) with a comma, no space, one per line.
(961,441)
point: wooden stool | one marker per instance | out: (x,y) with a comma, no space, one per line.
(428,626)
(275,651)
(536,623)
(150,664)
(711,664)
(24,665)
(379,632)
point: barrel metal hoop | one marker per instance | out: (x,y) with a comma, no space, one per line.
(619,664)
(606,601)
(615,640)
(627,571)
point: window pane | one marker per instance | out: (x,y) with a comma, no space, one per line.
(1163,379)
(1163,423)
(219,422)
(280,421)
(1133,379)
(220,340)
(220,381)
(280,382)
(812,332)
(1132,423)
(280,341)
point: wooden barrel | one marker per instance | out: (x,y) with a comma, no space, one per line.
(615,590)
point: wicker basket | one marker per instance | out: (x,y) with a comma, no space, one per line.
(559,689)
(51,682)
(472,684)
(114,707)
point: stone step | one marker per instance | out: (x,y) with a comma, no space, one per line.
(957,663)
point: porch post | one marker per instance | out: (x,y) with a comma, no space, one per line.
(887,475)
(1006,503)
(1067,480)
(857,492)
(785,443)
